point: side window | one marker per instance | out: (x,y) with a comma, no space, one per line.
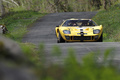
(94,24)
(65,24)
(91,23)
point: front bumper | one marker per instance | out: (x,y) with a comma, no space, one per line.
(81,38)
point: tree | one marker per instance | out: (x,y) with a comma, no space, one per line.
(106,3)
(2,8)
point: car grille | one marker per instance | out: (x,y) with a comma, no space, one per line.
(82,38)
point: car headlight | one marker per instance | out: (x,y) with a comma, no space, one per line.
(66,32)
(97,31)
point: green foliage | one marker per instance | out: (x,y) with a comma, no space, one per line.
(32,55)
(51,6)
(93,66)
(110,21)
(56,51)
(17,23)
(29,50)
(20,8)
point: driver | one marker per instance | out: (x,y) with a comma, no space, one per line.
(74,24)
(90,22)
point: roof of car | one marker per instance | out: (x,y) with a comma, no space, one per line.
(77,19)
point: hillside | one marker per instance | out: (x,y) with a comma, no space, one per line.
(110,19)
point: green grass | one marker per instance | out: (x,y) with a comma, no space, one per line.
(110,19)
(18,22)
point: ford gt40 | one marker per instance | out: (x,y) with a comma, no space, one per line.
(76,30)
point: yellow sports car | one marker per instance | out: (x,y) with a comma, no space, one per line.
(75,30)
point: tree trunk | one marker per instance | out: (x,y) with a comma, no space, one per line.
(2,8)
(105,4)
(56,2)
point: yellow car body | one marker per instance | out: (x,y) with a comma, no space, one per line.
(83,30)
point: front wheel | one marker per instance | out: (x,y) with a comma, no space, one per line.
(60,39)
(101,38)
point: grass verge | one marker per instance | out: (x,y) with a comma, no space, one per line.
(17,23)
(110,19)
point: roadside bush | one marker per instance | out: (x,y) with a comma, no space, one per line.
(94,66)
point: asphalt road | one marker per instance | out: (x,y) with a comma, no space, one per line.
(43,31)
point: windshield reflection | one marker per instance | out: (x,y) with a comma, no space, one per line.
(79,23)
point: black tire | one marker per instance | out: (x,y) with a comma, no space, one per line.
(60,39)
(101,38)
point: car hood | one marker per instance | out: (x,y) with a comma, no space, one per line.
(76,30)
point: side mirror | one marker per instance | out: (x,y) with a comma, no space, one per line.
(57,26)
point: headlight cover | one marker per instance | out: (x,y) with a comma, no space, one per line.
(66,32)
(97,31)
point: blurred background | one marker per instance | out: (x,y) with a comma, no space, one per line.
(51,6)
(26,61)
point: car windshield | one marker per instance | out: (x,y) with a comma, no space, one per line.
(79,23)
